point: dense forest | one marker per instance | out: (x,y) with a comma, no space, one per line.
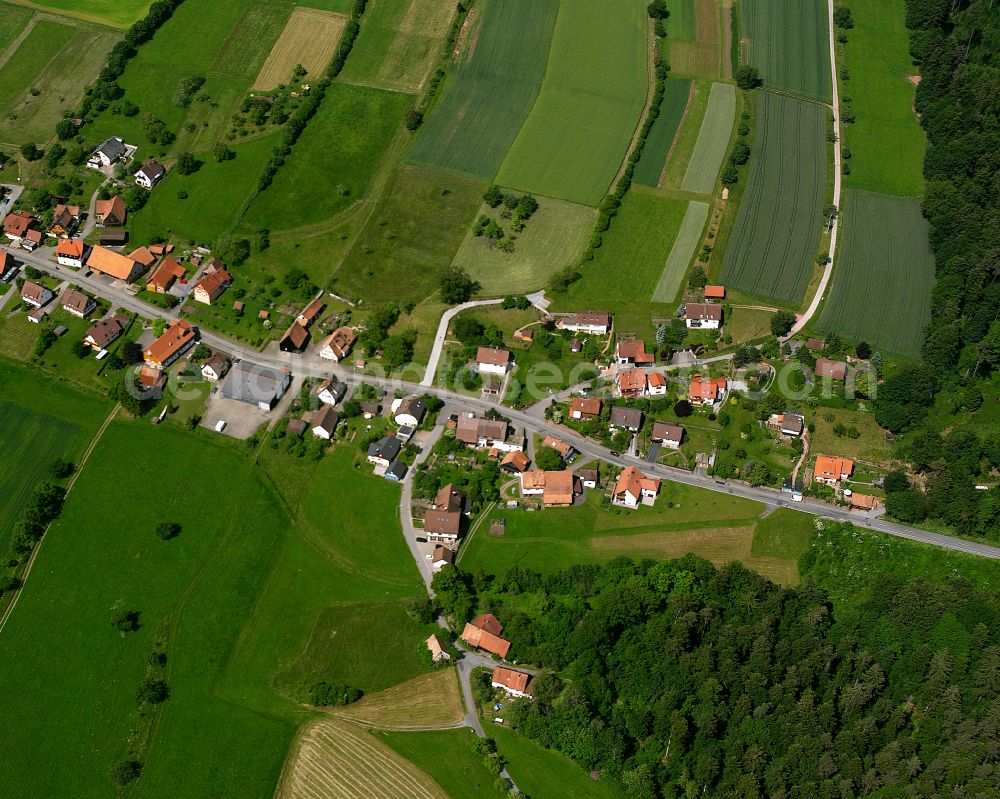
(674,679)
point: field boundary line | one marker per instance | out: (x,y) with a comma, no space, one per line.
(14,45)
(692,89)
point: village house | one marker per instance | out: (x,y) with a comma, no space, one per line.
(109,153)
(65,221)
(493,434)
(32,240)
(633,353)
(441,557)
(165,275)
(594,323)
(792,424)
(714,292)
(104,331)
(78,303)
(831,470)
(483,632)
(309,314)
(633,488)
(623,418)
(215,368)
(330,391)
(110,213)
(257,385)
(588,477)
(435,644)
(669,435)
(370,410)
(833,370)
(656,384)
(37,316)
(584,410)
(556,488)
(631,382)
(516,684)
(564,448)
(113,264)
(525,335)
(143,256)
(493,361)
(8,267)
(338,344)
(706,390)
(443,520)
(515,462)
(409,410)
(70,253)
(396,471)
(294,339)
(705,316)
(150,174)
(35,294)
(177,339)
(211,286)
(17,224)
(151,382)
(324,422)
(864,501)
(384,451)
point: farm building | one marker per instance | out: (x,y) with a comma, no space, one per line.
(113,264)
(177,339)
(309,314)
(337,345)
(514,683)
(257,385)
(483,632)
(557,489)
(165,275)
(295,338)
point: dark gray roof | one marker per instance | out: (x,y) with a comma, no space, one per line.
(387,448)
(252,383)
(153,170)
(412,405)
(396,470)
(626,417)
(113,149)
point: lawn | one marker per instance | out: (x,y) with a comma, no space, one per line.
(13,21)
(748,324)
(886,142)
(681,252)
(573,141)
(411,236)
(332,163)
(399,42)
(773,246)
(660,142)
(698,51)
(713,140)
(783,534)
(492,87)
(883,275)
(871,446)
(115,13)
(789,43)
(309,40)
(554,237)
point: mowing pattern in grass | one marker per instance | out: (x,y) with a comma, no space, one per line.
(398,42)
(334,159)
(553,238)
(12,22)
(310,38)
(426,702)
(773,246)
(491,90)
(682,252)
(713,140)
(116,13)
(461,773)
(573,141)
(886,142)
(883,275)
(661,137)
(789,44)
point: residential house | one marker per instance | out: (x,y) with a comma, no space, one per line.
(150,174)
(370,409)
(516,684)
(865,501)
(17,224)
(623,418)
(588,477)
(435,644)
(310,312)
(409,410)
(493,361)
(8,267)
(78,303)
(584,410)
(65,221)
(595,323)
(493,434)
(338,344)
(831,470)
(110,213)
(557,488)
(70,253)
(443,520)
(396,471)
(525,335)
(143,256)
(113,264)
(633,488)
(32,240)
(177,339)
(384,451)
(714,292)
(564,448)
(258,385)
(706,390)
(324,422)
(669,435)
(35,294)
(160,249)
(212,285)
(110,152)
(633,353)
(330,391)
(295,338)
(215,368)
(483,632)
(792,424)
(705,316)
(515,462)
(165,275)
(104,331)
(834,370)
(815,344)
(151,382)
(656,384)
(631,382)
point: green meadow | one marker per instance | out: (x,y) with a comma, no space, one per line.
(713,140)
(115,13)
(682,251)
(789,43)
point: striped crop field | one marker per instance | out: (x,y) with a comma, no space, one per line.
(772,251)
(491,88)
(661,138)
(681,252)
(788,42)
(884,273)
(576,136)
(309,38)
(428,702)
(681,24)
(713,140)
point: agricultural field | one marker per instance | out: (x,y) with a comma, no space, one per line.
(660,143)
(309,39)
(681,252)
(713,140)
(697,47)
(554,237)
(461,773)
(492,88)
(13,21)
(883,274)
(399,42)
(45,75)
(576,136)
(783,534)
(426,702)
(788,41)
(886,141)
(682,24)
(118,14)
(773,246)
(332,163)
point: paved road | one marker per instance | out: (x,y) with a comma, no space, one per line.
(442,332)
(419,551)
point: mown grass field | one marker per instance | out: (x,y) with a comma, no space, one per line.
(713,140)
(461,773)
(13,21)
(783,534)
(553,238)
(117,14)
(399,42)
(698,51)
(661,137)
(871,446)
(789,43)
(773,246)
(573,141)
(428,701)
(334,159)
(491,89)
(681,252)
(886,142)
(682,22)
(309,39)
(883,274)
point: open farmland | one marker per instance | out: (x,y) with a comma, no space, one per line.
(492,88)
(426,702)
(661,138)
(553,238)
(713,140)
(576,136)
(788,41)
(398,43)
(681,252)
(13,21)
(697,48)
(772,250)
(682,22)
(461,774)
(115,13)
(309,39)
(883,275)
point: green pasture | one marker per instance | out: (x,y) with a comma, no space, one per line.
(339,6)
(682,22)
(114,13)
(664,132)
(713,140)
(576,136)
(491,89)
(883,274)
(460,773)
(552,239)
(789,43)
(681,252)
(13,21)
(333,161)
(772,250)
(783,534)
